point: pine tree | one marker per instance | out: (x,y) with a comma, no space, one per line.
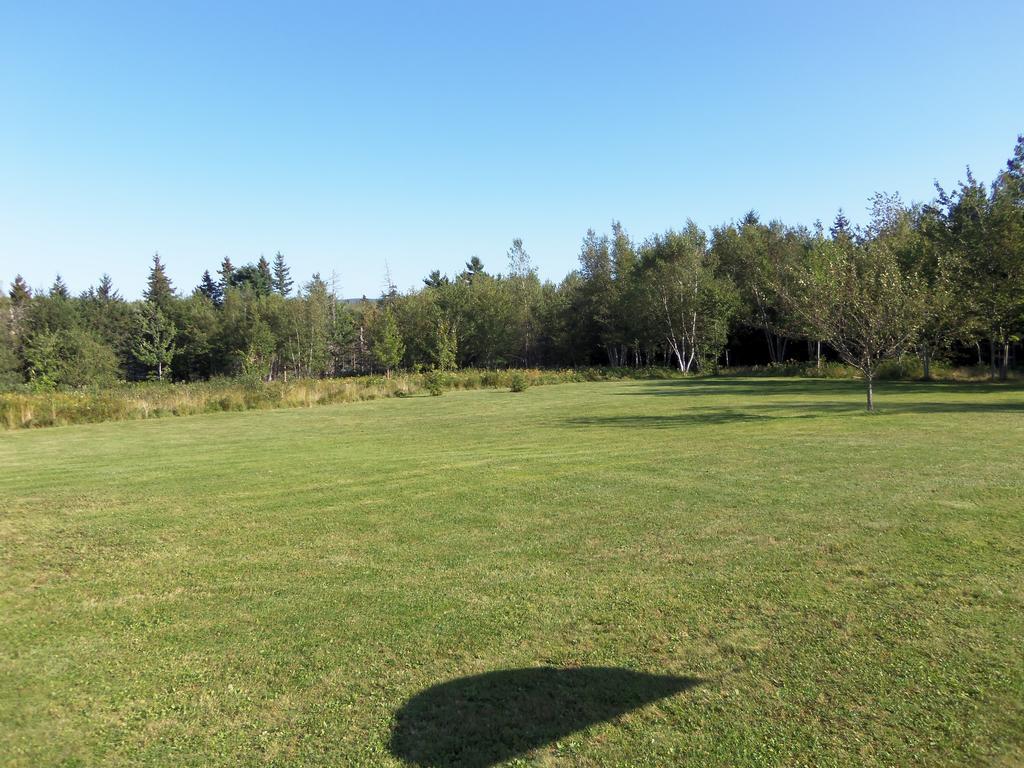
(255,277)
(390,289)
(282,275)
(266,278)
(159,290)
(59,289)
(474,268)
(105,292)
(1015,165)
(840,227)
(19,292)
(226,272)
(211,289)
(435,279)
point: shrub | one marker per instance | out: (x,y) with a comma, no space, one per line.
(904,368)
(436,382)
(830,369)
(518,382)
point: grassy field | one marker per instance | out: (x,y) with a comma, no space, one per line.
(698,572)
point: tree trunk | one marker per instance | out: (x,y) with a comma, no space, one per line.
(1004,364)
(613,355)
(159,371)
(818,363)
(871,392)
(992,359)
(926,362)
(674,350)
(773,352)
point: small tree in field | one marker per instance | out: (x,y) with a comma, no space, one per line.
(153,343)
(855,297)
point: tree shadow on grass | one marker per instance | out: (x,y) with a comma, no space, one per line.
(818,387)
(696,417)
(786,411)
(484,720)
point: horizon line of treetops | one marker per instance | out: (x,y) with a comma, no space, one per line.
(944,279)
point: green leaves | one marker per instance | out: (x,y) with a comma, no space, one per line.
(153,339)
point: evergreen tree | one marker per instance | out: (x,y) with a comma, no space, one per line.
(159,290)
(390,289)
(59,290)
(282,275)
(314,328)
(105,291)
(435,279)
(256,277)
(226,272)
(211,289)
(474,269)
(19,291)
(840,227)
(105,315)
(263,266)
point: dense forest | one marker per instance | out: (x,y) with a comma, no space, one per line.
(941,281)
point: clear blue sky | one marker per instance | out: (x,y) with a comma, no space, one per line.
(424,133)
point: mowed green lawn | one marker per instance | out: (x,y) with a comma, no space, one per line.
(797,581)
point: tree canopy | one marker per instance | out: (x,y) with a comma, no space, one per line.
(940,279)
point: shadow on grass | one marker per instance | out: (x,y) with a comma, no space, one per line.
(696,417)
(819,387)
(699,416)
(480,721)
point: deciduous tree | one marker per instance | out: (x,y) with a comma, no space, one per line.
(154,338)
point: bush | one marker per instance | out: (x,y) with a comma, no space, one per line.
(518,382)
(831,369)
(436,382)
(904,368)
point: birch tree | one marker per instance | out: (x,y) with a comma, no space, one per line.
(685,297)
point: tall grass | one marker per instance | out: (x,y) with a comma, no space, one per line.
(149,400)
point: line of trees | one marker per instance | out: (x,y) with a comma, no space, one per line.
(942,280)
